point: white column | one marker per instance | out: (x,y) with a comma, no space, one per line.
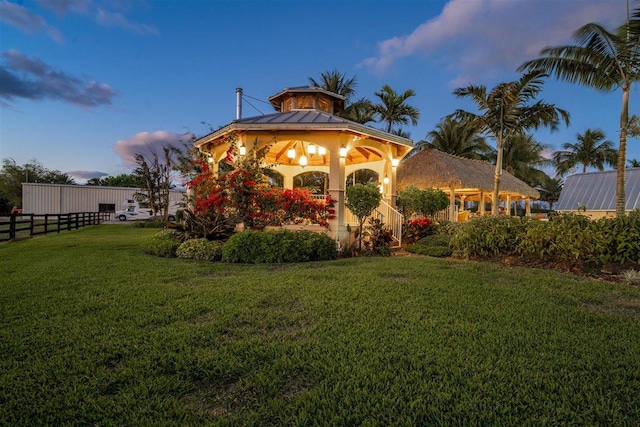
(337,193)
(527,207)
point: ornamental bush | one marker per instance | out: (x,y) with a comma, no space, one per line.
(278,246)
(164,243)
(489,236)
(200,249)
(417,228)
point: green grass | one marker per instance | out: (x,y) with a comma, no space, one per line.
(93,332)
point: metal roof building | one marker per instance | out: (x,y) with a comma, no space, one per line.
(595,193)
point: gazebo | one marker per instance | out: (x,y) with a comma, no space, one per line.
(306,134)
(463,179)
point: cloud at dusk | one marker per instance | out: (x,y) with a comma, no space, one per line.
(148,143)
(475,39)
(31,78)
(27,21)
(85,175)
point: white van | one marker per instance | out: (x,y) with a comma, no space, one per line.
(132,211)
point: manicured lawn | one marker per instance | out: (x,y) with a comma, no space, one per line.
(93,332)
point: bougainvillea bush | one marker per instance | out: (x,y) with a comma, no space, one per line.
(221,201)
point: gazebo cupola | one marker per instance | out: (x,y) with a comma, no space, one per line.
(307,98)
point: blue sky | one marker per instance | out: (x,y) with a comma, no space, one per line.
(84,84)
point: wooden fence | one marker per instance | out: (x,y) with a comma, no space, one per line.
(28,225)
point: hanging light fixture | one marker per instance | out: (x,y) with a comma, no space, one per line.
(210,159)
(291,153)
(385,179)
(242,149)
(321,150)
(395,162)
(311,149)
(303,160)
(343,152)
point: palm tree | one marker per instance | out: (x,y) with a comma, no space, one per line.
(550,189)
(591,150)
(505,111)
(360,111)
(633,163)
(604,61)
(460,138)
(523,157)
(393,108)
(336,82)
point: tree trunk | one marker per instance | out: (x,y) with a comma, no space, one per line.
(622,153)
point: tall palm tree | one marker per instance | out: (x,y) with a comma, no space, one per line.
(505,111)
(333,81)
(604,61)
(336,82)
(524,157)
(460,138)
(591,150)
(550,189)
(393,108)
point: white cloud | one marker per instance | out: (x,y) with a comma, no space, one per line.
(477,39)
(146,144)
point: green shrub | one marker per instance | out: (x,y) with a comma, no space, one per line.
(164,243)
(434,251)
(489,236)
(620,238)
(276,246)
(435,245)
(440,239)
(200,249)
(153,224)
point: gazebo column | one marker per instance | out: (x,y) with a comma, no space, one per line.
(392,187)
(288,181)
(452,205)
(462,199)
(507,210)
(481,204)
(337,193)
(527,206)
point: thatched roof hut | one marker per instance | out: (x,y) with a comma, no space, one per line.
(432,168)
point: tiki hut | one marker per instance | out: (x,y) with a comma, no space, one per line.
(463,179)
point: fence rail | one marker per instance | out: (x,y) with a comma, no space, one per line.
(28,225)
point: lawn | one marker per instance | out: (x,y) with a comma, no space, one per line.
(93,332)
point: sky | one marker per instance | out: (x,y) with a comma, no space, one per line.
(85,84)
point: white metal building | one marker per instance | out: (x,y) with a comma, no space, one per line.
(594,193)
(61,199)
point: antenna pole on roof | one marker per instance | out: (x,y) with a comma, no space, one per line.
(238,103)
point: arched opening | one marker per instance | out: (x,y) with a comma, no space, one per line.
(315,181)
(275,178)
(363,176)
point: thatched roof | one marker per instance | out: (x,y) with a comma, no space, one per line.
(431,168)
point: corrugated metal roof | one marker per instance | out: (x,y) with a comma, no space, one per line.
(308,120)
(597,191)
(293,117)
